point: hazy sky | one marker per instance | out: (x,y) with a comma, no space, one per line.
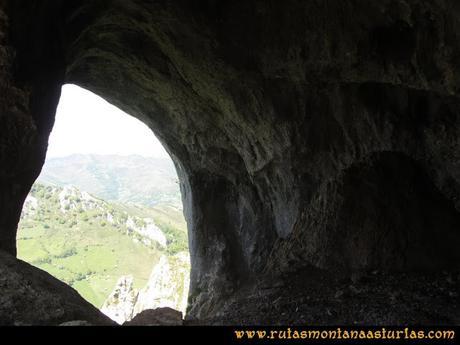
(85,123)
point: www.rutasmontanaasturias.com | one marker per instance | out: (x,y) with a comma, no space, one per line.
(347,333)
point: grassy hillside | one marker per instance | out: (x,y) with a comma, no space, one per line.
(89,243)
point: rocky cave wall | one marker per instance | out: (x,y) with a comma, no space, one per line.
(319,133)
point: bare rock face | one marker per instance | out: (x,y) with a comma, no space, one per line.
(322,133)
(167,286)
(119,306)
(157,317)
(76,323)
(30,296)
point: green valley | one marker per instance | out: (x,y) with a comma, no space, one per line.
(90,243)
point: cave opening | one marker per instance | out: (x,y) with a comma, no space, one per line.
(105,215)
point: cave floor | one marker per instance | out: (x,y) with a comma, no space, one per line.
(312,297)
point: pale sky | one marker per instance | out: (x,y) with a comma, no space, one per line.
(87,124)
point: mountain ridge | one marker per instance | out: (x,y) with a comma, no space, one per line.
(123,178)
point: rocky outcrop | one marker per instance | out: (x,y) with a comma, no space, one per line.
(119,306)
(76,323)
(167,287)
(319,133)
(30,296)
(157,317)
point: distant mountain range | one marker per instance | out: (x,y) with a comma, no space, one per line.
(127,179)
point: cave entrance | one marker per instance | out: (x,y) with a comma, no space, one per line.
(105,214)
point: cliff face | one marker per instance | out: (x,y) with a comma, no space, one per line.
(119,306)
(305,133)
(167,287)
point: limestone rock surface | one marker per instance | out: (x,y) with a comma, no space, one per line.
(157,317)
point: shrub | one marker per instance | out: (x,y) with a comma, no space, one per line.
(66,253)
